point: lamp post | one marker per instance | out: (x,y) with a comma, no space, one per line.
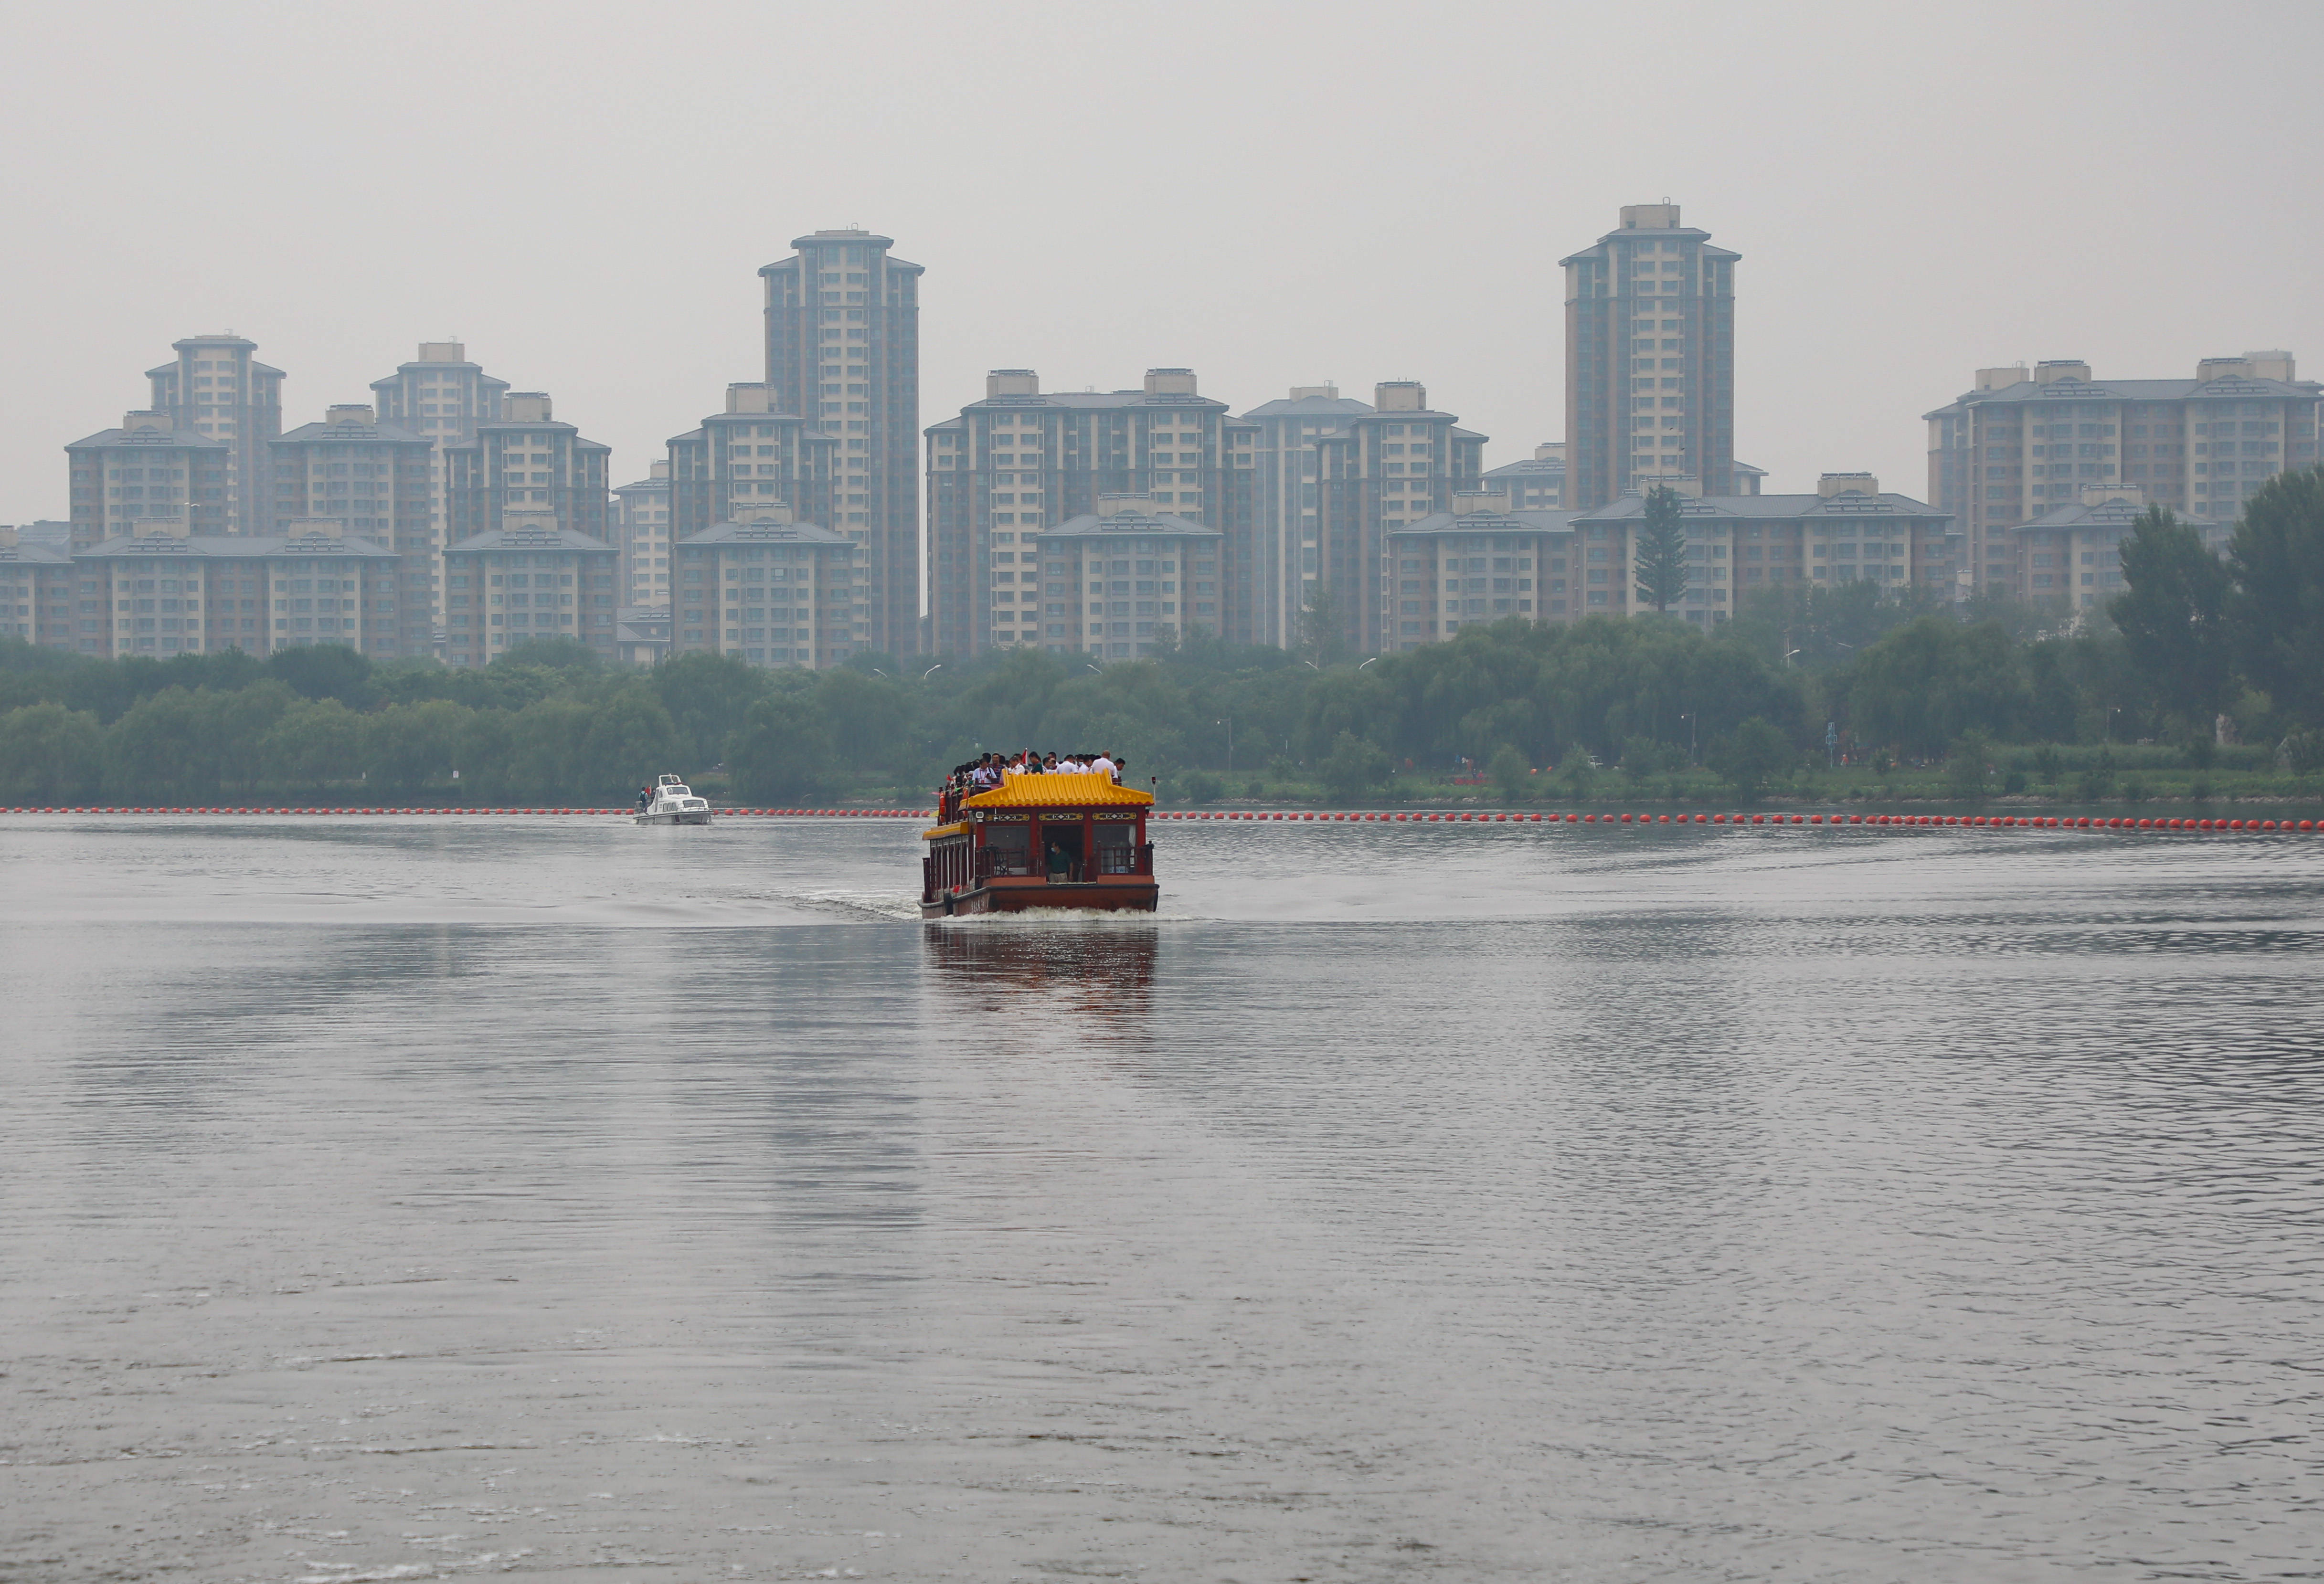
(1229,724)
(932,670)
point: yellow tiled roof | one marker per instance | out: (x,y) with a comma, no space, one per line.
(1087,790)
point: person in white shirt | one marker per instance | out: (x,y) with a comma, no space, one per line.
(1101,765)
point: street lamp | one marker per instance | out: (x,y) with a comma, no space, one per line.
(1229,724)
(1367,662)
(1688,717)
(932,670)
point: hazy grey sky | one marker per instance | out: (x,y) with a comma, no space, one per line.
(1269,193)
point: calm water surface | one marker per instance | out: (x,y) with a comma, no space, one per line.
(414,1198)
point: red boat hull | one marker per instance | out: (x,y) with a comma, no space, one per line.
(1009,894)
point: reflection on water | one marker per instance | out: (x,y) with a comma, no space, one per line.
(1488,1204)
(1100,967)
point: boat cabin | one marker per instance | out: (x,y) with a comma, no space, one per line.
(1039,841)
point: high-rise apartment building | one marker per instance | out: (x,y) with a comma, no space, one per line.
(1649,359)
(1479,563)
(1384,470)
(37,591)
(2023,445)
(771,590)
(372,479)
(529,576)
(162,591)
(842,318)
(1485,561)
(755,454)
(148,468)
(441,397)
(1285,548)
(1019,462)
(216,389)
(525,463)
(2070,555)
(1135,578)
(641,533)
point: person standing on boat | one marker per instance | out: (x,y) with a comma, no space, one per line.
(1102,764)
(645,799)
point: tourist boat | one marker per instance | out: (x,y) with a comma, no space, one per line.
(675,804)
(1039,841)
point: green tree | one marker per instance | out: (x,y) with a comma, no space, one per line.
(1752,756)
(1322,626)
(317,740)
(481,759)
(406,746)
(325,670)
(1581,775)
(629,741)
(1660,553)
(1354,767)
(1511,773)
(161,750)
(869,717)
(2276,616)
(1966,766)
(1932,679)
(549,752)
(2175,616)
(238,722)
(781,753)
(552,652)
(50,755)
(707,696)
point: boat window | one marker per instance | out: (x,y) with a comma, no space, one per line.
(1009,845)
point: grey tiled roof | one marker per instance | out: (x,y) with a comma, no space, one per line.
(37,555)
(1527,521)
(144,437)
(1764,508)
(1089,525)
(765,533)
(529,539)
(2232,386)
(2102,514)
(353,431)
(238,547)
(1310,407)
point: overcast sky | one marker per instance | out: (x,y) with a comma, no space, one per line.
(1269,193)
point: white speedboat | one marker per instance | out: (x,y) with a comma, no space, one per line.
(675,804)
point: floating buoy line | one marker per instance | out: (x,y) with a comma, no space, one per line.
(1884,822)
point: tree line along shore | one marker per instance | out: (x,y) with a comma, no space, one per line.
(2204,681)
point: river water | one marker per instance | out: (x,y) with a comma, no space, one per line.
(428,1197)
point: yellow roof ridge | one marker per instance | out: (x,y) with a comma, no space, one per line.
(1054,789)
